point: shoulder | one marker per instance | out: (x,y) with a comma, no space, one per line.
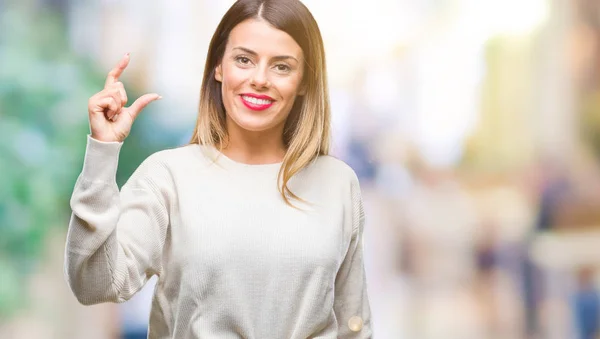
(334,167)
(185,153)
(346,182)
(343,174)
(329,174)
(175,158)
(160,170)
(160,166)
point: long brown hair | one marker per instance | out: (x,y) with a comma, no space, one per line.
(306,133)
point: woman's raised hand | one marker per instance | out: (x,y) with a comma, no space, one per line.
(109,119)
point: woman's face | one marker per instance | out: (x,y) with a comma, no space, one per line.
(261,74)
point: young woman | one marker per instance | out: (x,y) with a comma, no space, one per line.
(252,229)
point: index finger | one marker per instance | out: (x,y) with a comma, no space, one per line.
(115,73)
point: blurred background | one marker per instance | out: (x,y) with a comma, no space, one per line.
(473,126)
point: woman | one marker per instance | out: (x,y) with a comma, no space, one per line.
(252,230)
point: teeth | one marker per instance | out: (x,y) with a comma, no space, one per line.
(256,101)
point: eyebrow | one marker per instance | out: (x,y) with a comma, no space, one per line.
(279,57)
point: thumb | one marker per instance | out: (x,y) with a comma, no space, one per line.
(141,103)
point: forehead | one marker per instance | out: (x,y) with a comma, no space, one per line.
(259,36)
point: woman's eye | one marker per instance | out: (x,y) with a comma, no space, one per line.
(282,68)
(243,60)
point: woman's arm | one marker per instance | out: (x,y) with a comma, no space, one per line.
(115,239)
(351,304)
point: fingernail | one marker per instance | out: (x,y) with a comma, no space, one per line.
(159,97)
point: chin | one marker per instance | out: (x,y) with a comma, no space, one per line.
(254,123)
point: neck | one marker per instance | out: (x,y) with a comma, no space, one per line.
(250,147)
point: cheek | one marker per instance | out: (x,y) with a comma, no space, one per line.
(289,88)
(233,78)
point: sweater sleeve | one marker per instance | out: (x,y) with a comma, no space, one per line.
(351,304)
(115,239)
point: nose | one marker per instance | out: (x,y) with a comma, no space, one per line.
(259,79)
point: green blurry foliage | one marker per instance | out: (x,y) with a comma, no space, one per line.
(44,88)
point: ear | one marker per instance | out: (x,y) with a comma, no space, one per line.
(219,73)
(302,89)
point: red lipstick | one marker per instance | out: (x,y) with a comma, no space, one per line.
(256,102)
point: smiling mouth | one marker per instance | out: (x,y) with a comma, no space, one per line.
(256,104)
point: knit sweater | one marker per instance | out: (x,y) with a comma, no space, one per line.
(232,259)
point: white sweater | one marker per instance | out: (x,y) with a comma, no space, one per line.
(232,259)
